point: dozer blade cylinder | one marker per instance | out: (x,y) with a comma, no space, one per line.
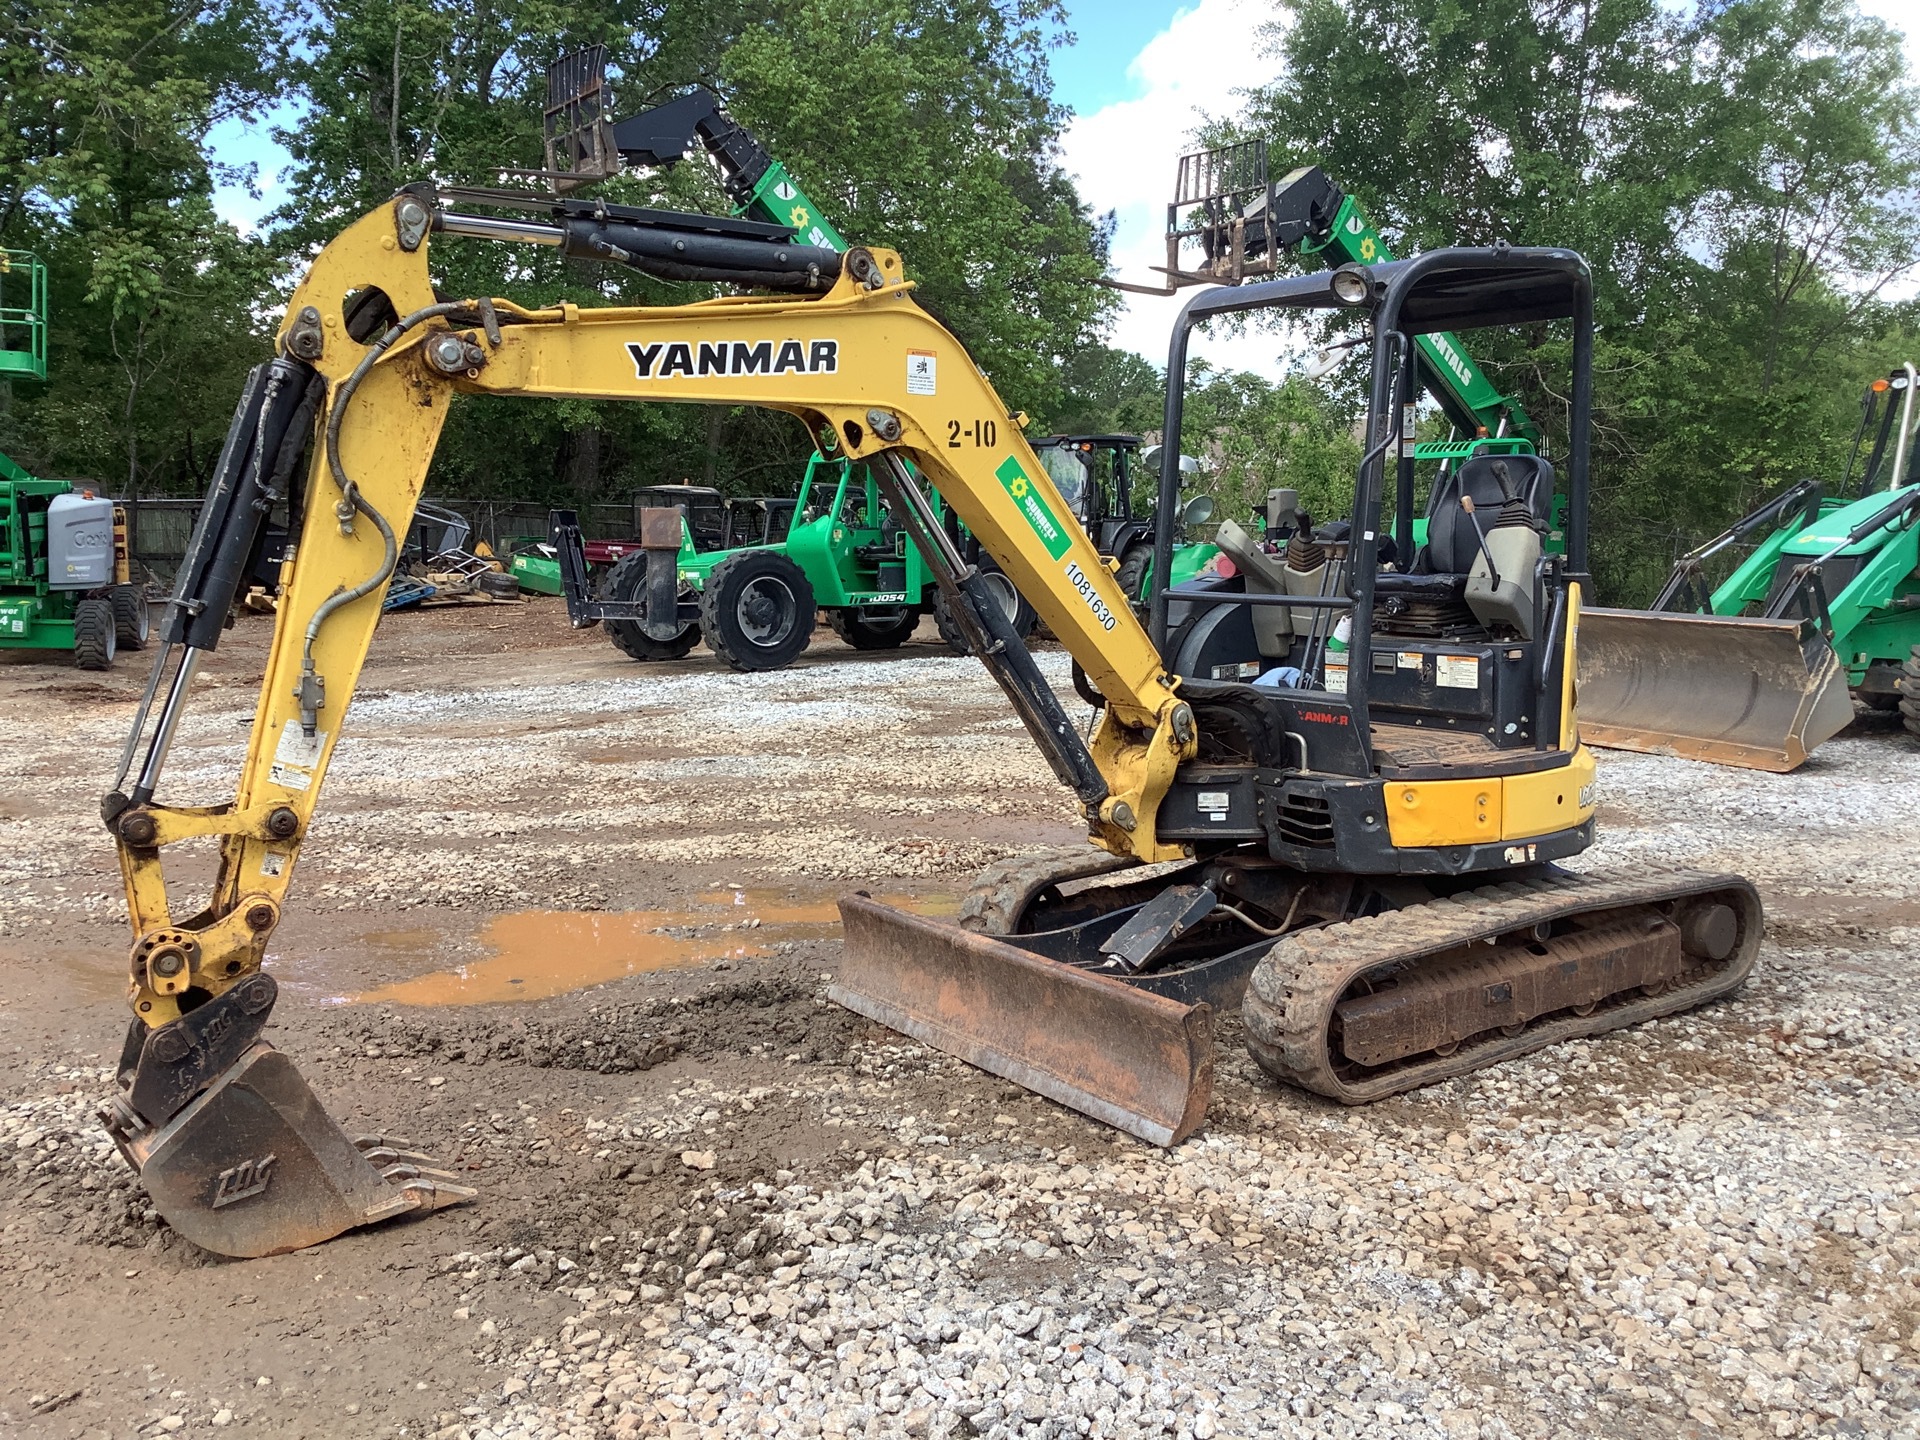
(255,1166)
(1137,1061)
(1755,693)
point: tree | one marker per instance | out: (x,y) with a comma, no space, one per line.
(1252,436)
(1740,178)
(929,126)
(861,98)
(1107,392)
(103,170)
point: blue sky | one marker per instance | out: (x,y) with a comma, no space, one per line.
(1108,35)
(1091,73)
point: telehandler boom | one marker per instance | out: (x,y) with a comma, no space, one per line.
(1325,838)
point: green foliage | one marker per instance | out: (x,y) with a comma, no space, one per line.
(856,96)
(1251,436)
(1108,392)
(1740,178)
(102,172)
(927,127)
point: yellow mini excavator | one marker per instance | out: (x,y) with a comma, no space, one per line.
(1335,787)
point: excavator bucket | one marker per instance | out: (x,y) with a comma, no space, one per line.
(1137,1061)
(1755,693)
(254,1165)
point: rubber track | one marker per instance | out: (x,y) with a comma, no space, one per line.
(1290,1000)
(1001,892)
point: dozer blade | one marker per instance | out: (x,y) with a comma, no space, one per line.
(1755,693)
(1135,1060)
(254,1165)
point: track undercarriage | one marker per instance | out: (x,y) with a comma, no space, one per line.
(1352,987)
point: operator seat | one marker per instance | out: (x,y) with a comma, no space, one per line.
(1452,543)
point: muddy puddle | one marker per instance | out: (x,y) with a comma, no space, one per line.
(537,954)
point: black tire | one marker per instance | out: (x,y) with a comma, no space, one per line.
(1910,693)
(757,611)
(627,580)
(93,639)
(131,622)
(874,627)
(498,584)
(1013,603)
(1132,574)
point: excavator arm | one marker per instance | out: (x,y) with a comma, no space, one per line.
(370,361)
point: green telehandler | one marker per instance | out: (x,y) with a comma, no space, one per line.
(754,605)
(64,567)
(840,552)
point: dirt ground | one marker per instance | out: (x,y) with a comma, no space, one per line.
(562,922)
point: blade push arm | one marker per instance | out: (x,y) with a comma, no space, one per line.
(866,369)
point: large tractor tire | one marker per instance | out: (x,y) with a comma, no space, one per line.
(131,622)
(497,585)
(627,581)
(1910,693)
(93,638)
(1132,574)
(874,627)
(1012,604)
(757,610)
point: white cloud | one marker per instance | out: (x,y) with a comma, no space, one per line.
(1125,154)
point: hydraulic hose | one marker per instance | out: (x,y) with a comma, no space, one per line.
(312,691)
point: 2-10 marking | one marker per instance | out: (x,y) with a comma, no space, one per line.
(981,434)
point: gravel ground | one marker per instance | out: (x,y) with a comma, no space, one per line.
(716,1204)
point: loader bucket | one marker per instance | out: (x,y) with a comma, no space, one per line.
(1137,1061)
(255,1166)
(1754,693)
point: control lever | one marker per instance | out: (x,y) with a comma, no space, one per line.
(1493,571)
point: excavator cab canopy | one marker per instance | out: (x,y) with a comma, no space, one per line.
(1455,643)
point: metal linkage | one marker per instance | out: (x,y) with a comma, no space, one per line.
(990,631)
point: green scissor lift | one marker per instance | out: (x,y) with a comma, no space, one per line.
(63,556)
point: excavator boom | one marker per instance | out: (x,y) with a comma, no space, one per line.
(239,1154)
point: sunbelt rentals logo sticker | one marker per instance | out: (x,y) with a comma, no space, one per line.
(1026,495)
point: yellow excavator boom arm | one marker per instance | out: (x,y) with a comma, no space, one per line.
(864,367)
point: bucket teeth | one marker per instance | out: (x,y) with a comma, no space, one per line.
(254,1165)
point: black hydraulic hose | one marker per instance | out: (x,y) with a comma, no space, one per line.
(352,501)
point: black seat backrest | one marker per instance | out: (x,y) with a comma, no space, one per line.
(1451,541)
